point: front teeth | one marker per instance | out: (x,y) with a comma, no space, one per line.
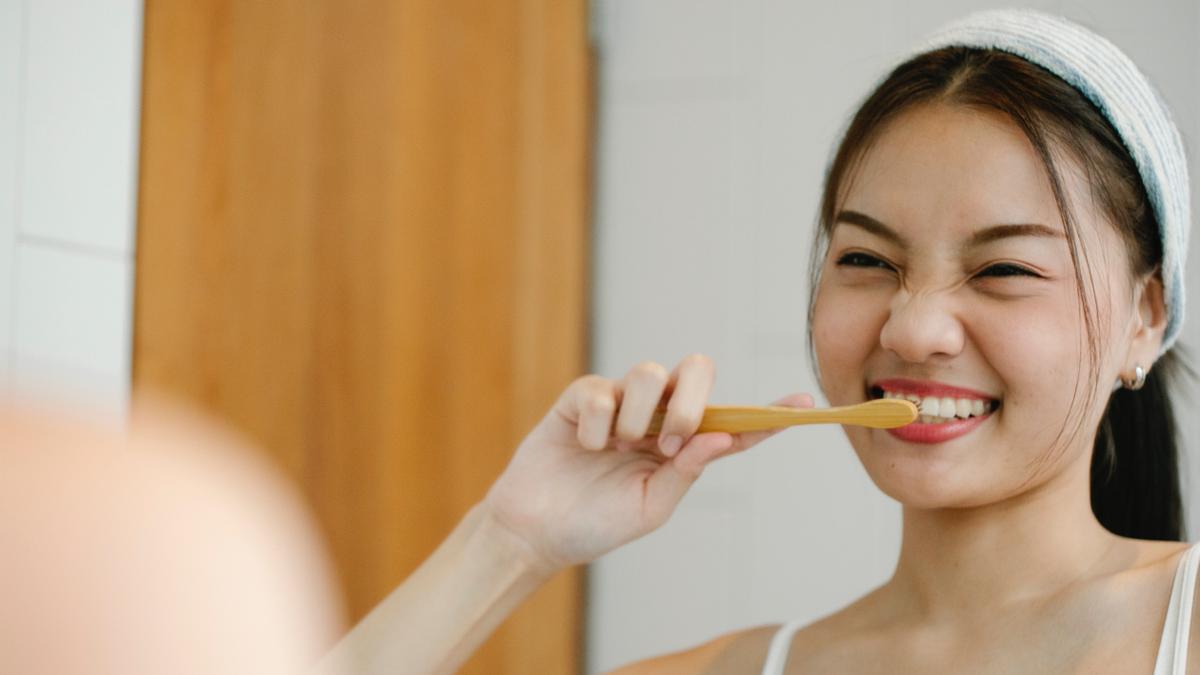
(935,409)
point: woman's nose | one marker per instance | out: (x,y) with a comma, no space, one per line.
(920,327)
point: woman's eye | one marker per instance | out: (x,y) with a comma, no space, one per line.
(856,259)
(1007,270)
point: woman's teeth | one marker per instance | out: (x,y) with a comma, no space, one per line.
(935,409)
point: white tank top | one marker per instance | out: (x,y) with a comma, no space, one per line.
(1172,647)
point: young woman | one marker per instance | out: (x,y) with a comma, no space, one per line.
(1001,239)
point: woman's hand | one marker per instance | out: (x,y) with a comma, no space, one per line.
(586,480)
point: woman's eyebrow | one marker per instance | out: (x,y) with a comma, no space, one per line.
(979,238)
(870,225)
(990,234)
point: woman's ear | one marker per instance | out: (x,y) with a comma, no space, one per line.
(1149,321)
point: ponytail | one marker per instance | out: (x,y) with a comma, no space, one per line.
(1135,463)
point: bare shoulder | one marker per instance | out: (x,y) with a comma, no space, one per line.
(1160,553)
(734,653)
(1142,563)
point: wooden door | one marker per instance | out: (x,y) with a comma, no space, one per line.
(362,240)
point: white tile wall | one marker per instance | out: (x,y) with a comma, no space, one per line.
(671,40)
(79,130)
(682,187)
(70,76)
(715,122)
(73,322)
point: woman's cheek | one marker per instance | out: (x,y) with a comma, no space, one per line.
(846,327)
(1036,355)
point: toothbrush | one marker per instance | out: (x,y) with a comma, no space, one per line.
(877,414)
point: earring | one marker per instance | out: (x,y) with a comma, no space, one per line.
(1139,379)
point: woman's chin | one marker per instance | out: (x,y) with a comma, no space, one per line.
(923,485)
(943,475)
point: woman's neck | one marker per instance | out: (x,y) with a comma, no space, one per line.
(958,562)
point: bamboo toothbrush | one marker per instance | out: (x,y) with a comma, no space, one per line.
(883,413)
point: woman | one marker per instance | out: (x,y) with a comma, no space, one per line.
(1001,238)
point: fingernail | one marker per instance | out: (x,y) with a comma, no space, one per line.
(670,445)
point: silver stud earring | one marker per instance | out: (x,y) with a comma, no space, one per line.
(1139,379)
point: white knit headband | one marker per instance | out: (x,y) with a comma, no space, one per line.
(1111,81)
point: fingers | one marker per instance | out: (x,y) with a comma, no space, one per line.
(592,401)
(642,389)
(646,385)
(690,385)
(602,408)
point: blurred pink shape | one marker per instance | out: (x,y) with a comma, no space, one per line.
(170,546)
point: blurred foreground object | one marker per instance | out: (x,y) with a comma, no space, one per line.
(167,547)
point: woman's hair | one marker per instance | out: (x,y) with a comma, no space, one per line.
(1135,488)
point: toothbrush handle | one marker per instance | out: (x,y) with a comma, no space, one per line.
(878,414)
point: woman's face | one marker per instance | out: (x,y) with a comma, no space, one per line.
(921,292)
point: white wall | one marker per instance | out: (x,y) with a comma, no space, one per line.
(70,76)
(715,120)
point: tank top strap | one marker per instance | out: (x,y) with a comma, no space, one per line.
(1173,646)
(777,653)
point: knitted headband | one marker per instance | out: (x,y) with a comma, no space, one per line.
(1111,81)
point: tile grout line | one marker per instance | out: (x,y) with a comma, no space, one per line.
(64,245)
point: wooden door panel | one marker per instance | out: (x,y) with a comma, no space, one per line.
(362,240)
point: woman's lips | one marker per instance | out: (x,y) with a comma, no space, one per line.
(917,432)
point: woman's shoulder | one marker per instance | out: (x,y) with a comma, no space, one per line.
(736,652)
(1160,551)
(1149,556)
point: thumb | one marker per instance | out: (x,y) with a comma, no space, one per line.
(672,479)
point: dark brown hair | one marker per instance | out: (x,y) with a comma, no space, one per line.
(1135,487)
